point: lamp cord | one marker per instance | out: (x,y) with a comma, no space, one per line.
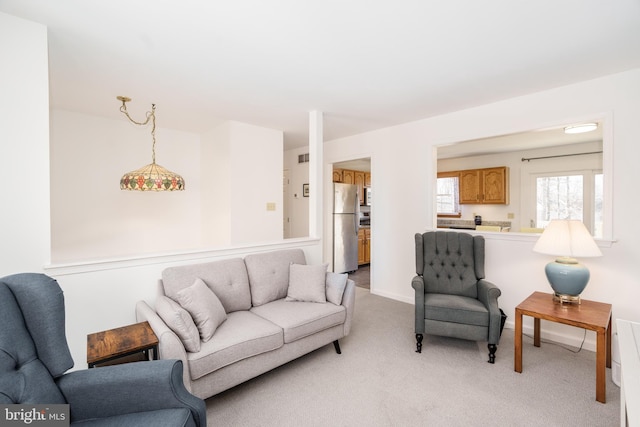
(151,115)
(584,337)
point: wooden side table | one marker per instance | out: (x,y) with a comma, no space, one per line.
(118,343)
(590,315)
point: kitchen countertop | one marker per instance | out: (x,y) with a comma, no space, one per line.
(463,224)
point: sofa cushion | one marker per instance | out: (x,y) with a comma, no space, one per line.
(307,283)
(455,309)
(269,274)
(179,321)
(241,336)
(301,319)
(227,279)
(335,284)
(204,306)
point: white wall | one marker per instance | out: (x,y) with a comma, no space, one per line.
(256,180)
(405,168)
(216,184)
(241,172)
(91,217)
(298,205)
(24,146)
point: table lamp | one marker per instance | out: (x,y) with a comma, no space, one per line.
(568,239)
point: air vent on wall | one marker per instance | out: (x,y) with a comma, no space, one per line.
(303,158)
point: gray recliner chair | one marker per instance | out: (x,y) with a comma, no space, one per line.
(452,298)
(34,357)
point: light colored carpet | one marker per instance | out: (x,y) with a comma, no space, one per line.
(379,380)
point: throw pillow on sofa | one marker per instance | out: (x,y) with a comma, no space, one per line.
(307,283)
(179,321)
(204,306)
(335,285)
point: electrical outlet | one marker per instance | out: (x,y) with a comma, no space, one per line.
(510,215)
(271,206)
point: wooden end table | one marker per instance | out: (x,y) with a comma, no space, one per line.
(590,315)
(115,343)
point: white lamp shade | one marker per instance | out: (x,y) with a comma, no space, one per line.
(567,238)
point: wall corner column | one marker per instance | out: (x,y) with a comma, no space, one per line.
(316,160)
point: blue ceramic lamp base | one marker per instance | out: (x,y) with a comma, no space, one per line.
(568,278)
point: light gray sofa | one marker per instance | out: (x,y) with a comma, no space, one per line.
(263,328)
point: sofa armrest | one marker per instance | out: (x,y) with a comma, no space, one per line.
(132,387)
(348,301)
(169,344)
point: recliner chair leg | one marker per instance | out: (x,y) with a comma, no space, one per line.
(419,343)
(492,352)
(336,344)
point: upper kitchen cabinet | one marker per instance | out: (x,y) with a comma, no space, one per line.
(359,181)
(360,178)
(485,186)
(348,176)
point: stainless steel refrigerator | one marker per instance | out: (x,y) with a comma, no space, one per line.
(346,221)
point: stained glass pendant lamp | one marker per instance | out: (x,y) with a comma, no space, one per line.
(151,177)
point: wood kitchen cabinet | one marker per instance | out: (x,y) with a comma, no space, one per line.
(485,186)
(360,178)
(364,246)
(348,176)
(359,181)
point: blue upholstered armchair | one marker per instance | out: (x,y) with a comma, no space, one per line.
(34,357)
(452,298)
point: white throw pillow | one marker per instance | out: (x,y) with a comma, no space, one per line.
(204,306)
(180,322)
(335,284)
(307,283)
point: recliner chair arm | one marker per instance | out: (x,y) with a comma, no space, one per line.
(488,294)
(418,284)
(132,387)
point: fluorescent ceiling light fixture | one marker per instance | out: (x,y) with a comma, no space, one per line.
(581,128)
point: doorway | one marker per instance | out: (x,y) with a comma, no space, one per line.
(358,172)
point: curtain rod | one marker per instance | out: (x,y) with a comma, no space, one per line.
(524,159)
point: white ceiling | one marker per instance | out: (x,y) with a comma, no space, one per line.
(540,138)
(367,64)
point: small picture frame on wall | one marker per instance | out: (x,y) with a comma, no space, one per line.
(305,190)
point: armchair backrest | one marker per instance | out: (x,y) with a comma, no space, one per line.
(450,262)
(33,344)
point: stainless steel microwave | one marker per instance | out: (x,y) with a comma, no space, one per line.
(367,196)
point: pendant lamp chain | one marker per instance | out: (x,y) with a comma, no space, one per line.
(152,177)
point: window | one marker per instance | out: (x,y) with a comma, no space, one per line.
(570,195)
(447,199)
